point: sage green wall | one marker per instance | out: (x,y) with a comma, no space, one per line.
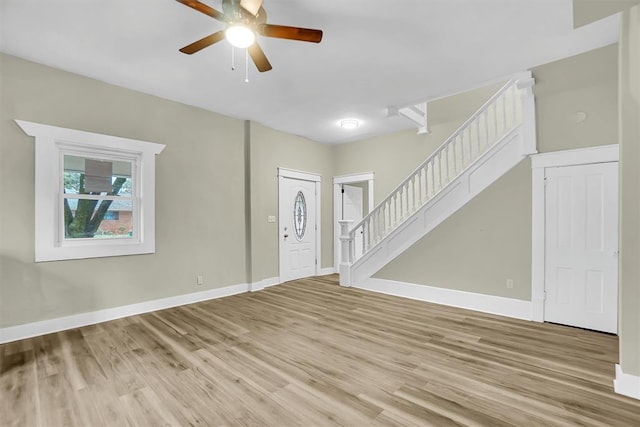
(480,246)
(588,11)
(393,157)
(271,149)
(629,315)
(489,239)
(200,224)
(583,83)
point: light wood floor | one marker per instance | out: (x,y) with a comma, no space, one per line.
(310,353)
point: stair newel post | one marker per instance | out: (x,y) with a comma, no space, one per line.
(525,86)
(346,252)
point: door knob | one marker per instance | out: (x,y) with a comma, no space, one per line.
(286,235)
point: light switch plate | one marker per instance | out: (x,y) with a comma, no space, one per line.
(271,218)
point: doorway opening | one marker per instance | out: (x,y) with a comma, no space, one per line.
(352,200)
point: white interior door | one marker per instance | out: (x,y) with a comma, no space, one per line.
(352,209)
(297,228)
(581,246)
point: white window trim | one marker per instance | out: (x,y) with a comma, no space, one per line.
(50,142)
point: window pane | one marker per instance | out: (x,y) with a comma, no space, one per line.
(97,219)
(84,175)
(300,215)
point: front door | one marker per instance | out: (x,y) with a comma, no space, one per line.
(297,228)
(581,246)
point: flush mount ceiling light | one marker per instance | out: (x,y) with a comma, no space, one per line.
(349,124)
(240,36)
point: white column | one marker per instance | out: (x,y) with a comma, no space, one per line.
(628,371)
(525,85)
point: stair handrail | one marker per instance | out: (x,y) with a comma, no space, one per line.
(508,85)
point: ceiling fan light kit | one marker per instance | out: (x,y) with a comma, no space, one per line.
(245,19)
(240,36)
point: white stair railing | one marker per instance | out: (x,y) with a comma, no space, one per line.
(501,114)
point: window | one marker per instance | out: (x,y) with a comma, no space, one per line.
(94,194)
(90,189)
(111,216)
(300,215)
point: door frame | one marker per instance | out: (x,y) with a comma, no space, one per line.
(302,176)
(539,162)
(337,206)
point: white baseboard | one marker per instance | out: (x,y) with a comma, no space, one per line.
(626,384)
(508,307)
(272,281)
(264,283)
(28,330)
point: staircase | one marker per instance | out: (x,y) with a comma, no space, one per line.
(491,142)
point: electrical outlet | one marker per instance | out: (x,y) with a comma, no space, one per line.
(200,280)
(509,283)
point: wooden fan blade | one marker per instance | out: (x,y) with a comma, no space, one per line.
(251,6)
(203,8)
(259,58)
(202,43)
(290,33)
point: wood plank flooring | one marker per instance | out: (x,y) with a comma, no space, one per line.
(310,353)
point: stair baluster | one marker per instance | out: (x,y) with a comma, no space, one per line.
(501,114)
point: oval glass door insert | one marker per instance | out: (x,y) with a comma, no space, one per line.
(300,215)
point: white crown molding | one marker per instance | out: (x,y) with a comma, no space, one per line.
(509,307)
(28,330)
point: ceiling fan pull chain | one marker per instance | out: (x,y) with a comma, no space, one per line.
(233,58)
(246,65)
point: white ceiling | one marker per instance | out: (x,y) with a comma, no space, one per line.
(375,54)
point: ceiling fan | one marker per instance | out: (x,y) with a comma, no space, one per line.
(245,19)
